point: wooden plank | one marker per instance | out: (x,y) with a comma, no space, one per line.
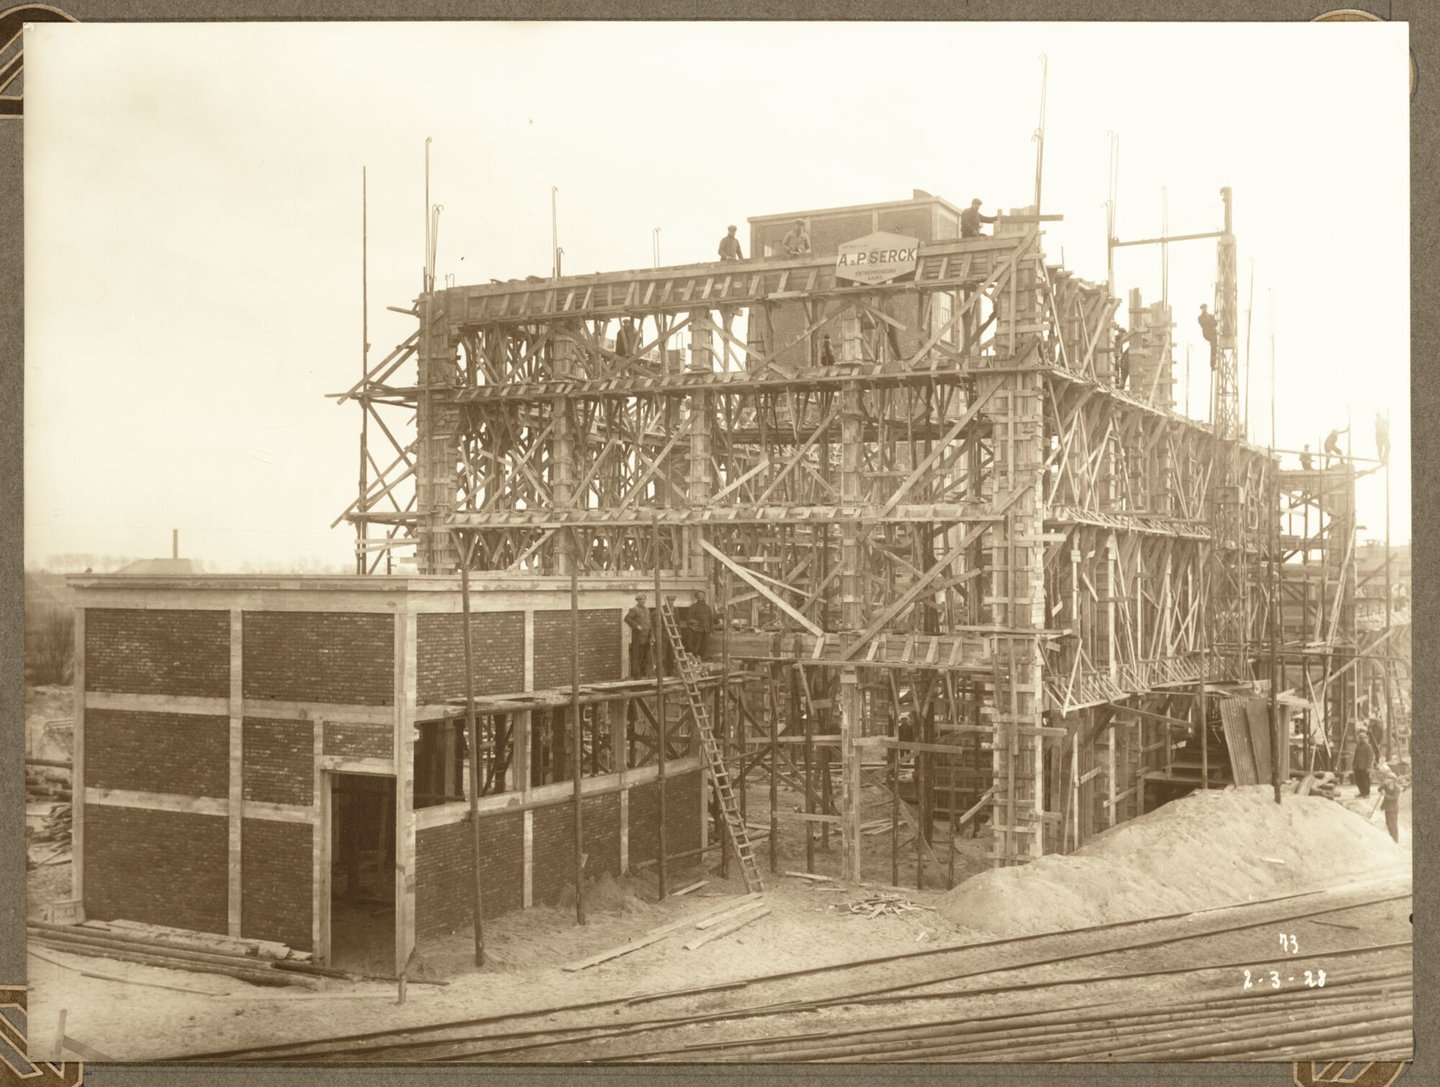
(727,930)
(653,936)
(726,916)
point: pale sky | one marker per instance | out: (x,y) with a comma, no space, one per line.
(193,215)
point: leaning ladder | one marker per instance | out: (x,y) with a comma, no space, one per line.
(719,775)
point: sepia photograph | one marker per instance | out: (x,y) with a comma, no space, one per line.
(823,542)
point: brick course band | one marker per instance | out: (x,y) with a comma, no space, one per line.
(160,867)
(161,651)
(339,657)
(359,740)
(499,644)
(279,761)
(275,871)
(599,646)
(157,752)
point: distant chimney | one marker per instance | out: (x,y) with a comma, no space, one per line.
(174,543)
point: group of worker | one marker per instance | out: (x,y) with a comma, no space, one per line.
(1364,760)
(696,622)
(796,242)
(1332,451)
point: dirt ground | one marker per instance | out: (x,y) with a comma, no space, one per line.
(128,1016)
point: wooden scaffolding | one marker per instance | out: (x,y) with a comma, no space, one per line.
(929,497)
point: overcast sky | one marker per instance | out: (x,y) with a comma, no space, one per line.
(193,215)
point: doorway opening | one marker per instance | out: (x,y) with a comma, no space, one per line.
(362,873)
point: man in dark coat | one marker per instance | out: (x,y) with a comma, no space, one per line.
(970,220)
(1206,320)
(699,622)
(1362,761)
(638,620)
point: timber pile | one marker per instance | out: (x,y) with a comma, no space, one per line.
(259,962)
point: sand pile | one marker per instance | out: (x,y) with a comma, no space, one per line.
(606,894)
(1206,849)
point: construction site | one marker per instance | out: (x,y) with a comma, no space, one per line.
(874,588)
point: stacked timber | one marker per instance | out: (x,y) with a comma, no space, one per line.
(259,962)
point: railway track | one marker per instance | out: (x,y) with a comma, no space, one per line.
(943,1003)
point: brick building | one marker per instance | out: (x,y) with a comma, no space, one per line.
(245,747)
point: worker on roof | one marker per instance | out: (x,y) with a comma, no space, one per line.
(730,245)
(1382,438)
(1362,761)
(1307,459)
(638,620)
(970,220)
(1206,320)
(1331,448)
(797,242)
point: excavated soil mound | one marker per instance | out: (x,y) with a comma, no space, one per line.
(1206,849)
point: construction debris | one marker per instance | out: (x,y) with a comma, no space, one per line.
(876,905)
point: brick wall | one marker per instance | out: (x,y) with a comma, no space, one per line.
(554,847)
(599,646)
(160,651)
(275,879)
(444,875)
(160,867)
(279,761)
(644,815)
(157,752)
(498,640)
(682,817)
(319,657)
(553,857)
(359,740)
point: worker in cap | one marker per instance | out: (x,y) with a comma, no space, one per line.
(637,619)
(1362,761)
(970,220)
(730,245)
(797,242)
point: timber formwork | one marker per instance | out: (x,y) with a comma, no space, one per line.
(960,531)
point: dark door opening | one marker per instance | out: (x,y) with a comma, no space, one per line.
(362,873)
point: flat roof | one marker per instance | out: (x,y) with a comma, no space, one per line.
(382,583)
(851,208)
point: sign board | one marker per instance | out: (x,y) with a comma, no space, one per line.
(877,258)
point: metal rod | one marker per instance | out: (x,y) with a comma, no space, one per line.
(425,266)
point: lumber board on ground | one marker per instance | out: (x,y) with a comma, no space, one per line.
(733,926)
(727,916)
(654,935)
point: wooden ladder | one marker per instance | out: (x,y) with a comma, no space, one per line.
(735,828)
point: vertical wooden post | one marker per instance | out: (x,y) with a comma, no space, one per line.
(77,763)
(577,761)
(657,632)
(237,770)
(809,775)
(895,812)
(774,786)
(472,732)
